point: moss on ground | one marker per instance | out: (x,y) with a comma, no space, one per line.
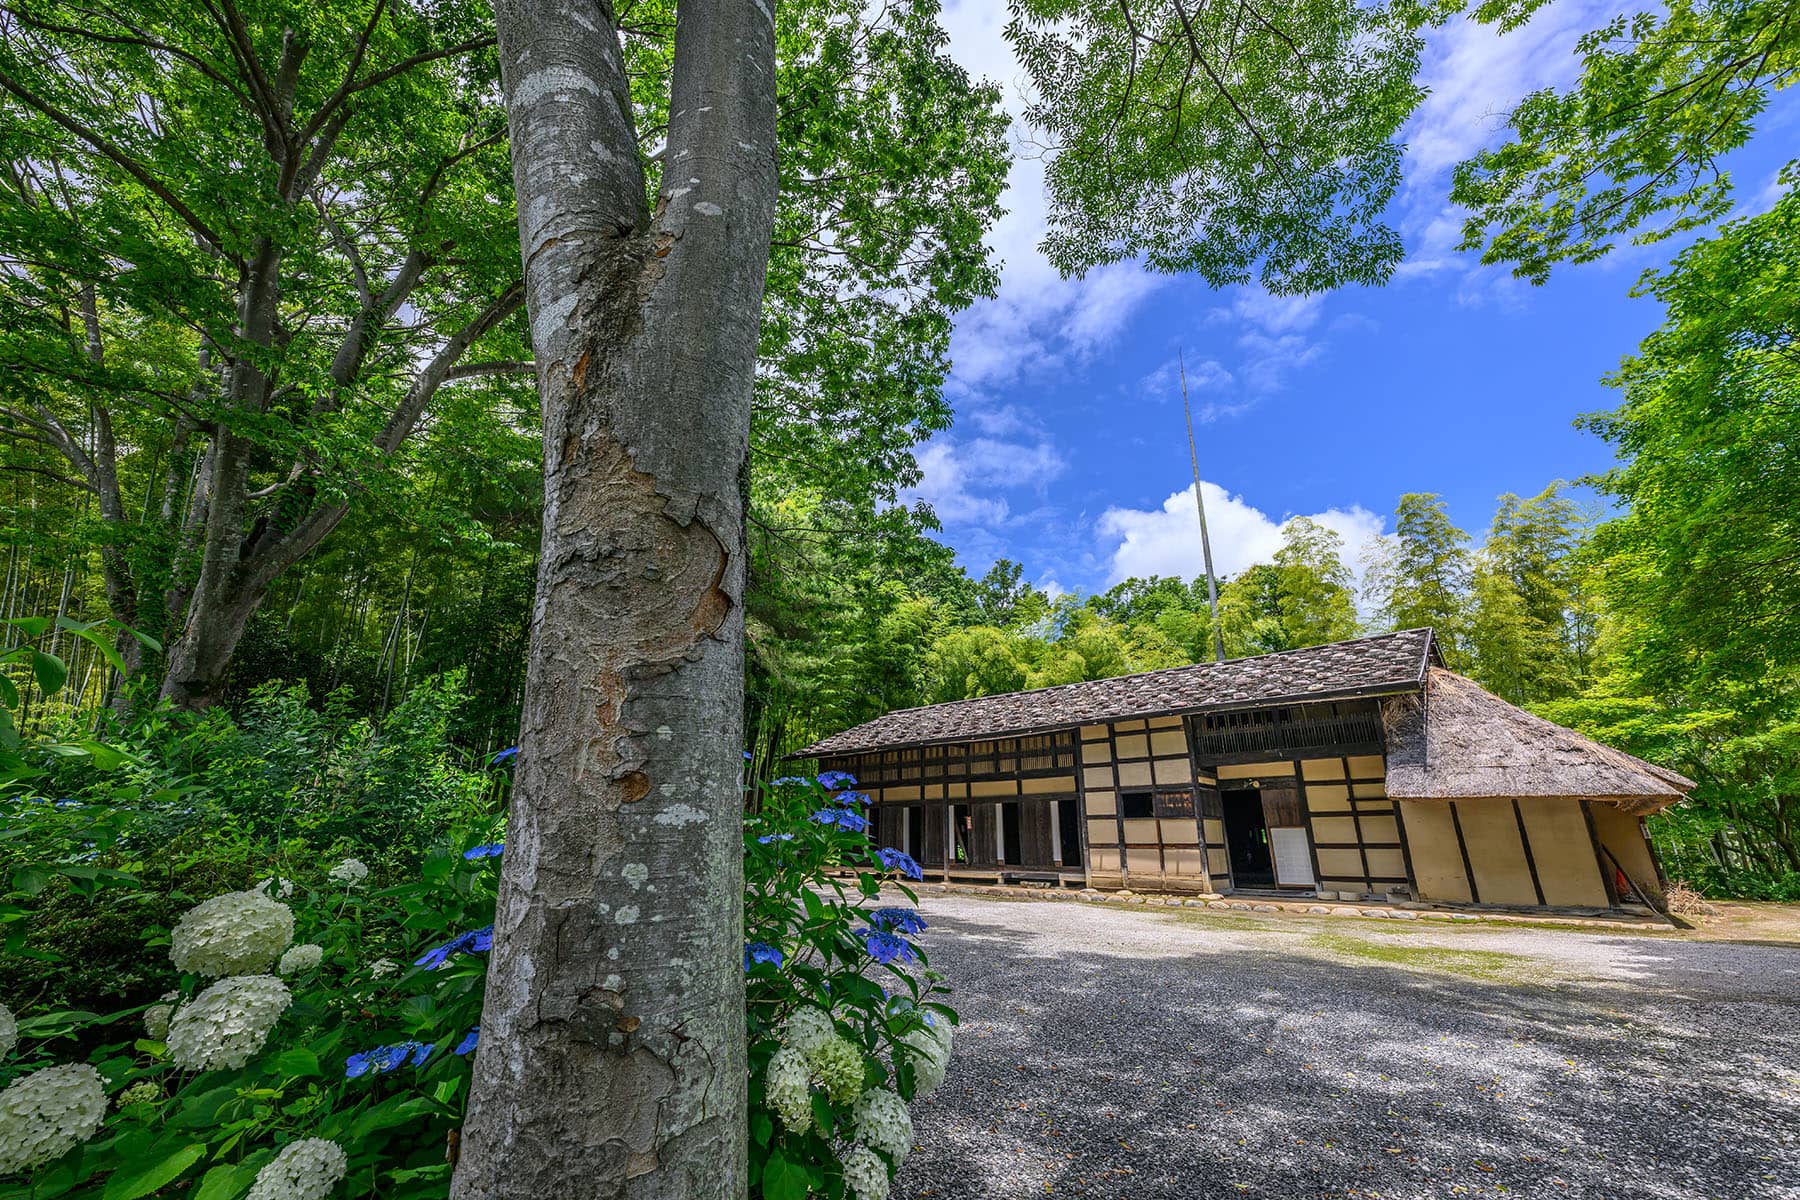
(1488,966)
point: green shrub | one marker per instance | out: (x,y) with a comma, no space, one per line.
(362,1071)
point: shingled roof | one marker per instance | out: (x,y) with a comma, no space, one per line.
(1457,741)
(1390,662)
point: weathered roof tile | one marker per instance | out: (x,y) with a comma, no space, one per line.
(1385,663)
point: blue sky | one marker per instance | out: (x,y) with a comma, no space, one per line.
(1069,454)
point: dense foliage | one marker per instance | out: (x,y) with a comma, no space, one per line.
(247,955)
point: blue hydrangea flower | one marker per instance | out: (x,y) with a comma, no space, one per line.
(852,798)
(901,861)
(475,941)
(833,781)
(490,850)
(855,822)
(787,781)
(898,920)
(760,952)
(767,838)
(387,1058)
(747,756)
(467,1045)
(884,947)
(506,755)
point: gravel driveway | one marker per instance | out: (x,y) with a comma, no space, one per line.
(1135,1054)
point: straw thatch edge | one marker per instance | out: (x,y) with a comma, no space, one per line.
(1459,741)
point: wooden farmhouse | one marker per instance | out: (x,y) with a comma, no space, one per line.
(1361,768)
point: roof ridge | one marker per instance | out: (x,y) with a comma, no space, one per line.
(1210,663)
(1366,665)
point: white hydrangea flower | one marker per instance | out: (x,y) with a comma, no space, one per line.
(381,968)
(227,1023)
(234,934)
(883,1122)
(141,1092)
(279,888)
(865,1174)
(48,1113)
(350,872)
(837,1063)
(304,1170)
(788,1090)
(299,958)
(807,1029)
(928,1050)
(9,1031)
(156,1020)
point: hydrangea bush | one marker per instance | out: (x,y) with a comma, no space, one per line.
(320,1041)
(847,1020)
(243,1082)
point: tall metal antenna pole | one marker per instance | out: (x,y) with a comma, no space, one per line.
(1212,583)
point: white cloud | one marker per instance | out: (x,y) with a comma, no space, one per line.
(1038,320)
(964,482)
(1254,305)
(1475,76)
(1163,385)
(1166,541)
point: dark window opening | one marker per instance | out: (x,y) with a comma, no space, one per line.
(1134,805)
(915,832)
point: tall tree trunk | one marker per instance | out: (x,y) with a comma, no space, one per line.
(612,1059)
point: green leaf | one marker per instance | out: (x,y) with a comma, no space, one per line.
(761,1128)
(30,880)
(9,692)
(125,1186)
(50,672)
(104,644)
(389,1114)
(298,1062)
(783,1180)
(224,1182)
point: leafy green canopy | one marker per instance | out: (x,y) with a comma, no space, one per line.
(1706,559)
(396,232)
(1633,147)
(1419,577)
(1229,141)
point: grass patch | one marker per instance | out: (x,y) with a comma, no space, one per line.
(1214,919)
(1487,966)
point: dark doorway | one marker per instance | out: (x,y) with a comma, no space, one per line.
(1068,829)
(1247,837)
(915,832)
(1009,835)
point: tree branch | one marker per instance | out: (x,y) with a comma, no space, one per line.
(119,158)
(497,367)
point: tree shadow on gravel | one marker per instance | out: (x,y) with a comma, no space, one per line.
(1233,1071)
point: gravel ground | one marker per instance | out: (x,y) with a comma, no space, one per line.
(1141,1055)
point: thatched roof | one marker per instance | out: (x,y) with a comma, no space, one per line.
(1458,741)
(1368,666)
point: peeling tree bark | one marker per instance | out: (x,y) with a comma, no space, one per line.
(612,1055)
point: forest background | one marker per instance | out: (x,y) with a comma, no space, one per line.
(365,540)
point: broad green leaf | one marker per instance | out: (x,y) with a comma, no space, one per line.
(297,1062)
(224,1182)
(783,1180)
(128,1185)
(50,672)
(389,1114)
